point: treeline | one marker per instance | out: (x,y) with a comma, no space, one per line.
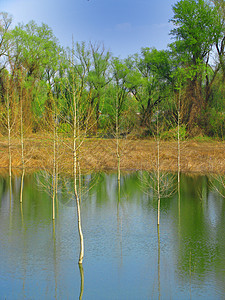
(182,85)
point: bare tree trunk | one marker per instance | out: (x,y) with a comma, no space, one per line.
(9,128)
(75,179)
(118,161)
(55,160)
(119,223)
(117,141)
(21,212)
(158,169)
(21,186)
(55,258)
(22,144)
(54,173)
(158,188)
(56,168)
(81,281)
(159,289)
(178,151)
(9,143)
(178,140)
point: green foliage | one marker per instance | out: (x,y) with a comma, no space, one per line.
(196,28)
(172,133)
(149,81)
(202,138)
(35,47)
(216,123)
(111,92)
(39,96)
(65,128)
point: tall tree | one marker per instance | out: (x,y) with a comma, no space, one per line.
(5,22)
(196,31)
(117,101)
(220,38)
(149,73)
(34,49)
(98,77)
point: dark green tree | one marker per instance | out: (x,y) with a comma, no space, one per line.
(197,29)
(148,78)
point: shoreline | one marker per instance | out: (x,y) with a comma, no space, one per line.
(100,155)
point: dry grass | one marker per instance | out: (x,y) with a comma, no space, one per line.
(100,154)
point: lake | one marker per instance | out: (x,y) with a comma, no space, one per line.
(127,256)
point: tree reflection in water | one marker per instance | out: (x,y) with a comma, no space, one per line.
(190,246)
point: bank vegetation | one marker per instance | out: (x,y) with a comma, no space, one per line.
(122,106)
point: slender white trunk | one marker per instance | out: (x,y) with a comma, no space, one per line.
(80,185)
(21,186)
(158,169)
(119,223)
(22,146)
(9,148)
(117,140)
(158,184)
(21,213)
(54,174)
(55,258)
(178,152)
(159,290)
(158,219)
(75,160)
(56,164)
(178,139)
(75,181)
(81,281)
(9,129)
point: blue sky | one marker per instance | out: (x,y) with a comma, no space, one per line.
(123,26)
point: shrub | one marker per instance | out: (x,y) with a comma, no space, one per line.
(171,134)
(64,128)
(216,126)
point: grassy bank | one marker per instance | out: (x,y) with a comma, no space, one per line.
(100,154)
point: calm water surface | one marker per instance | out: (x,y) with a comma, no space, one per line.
(126,257)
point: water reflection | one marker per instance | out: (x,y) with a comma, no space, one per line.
(127,257)
(158,231)
(81,281)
